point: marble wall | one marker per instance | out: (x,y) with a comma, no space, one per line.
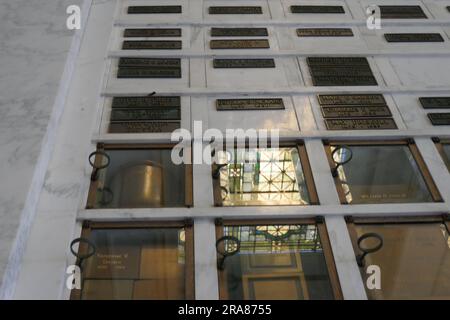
(37,54)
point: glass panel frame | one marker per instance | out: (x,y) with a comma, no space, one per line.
(306,170)
(440,143)
(425,174)
(353,222)
(94,185)
(324,240)
(88,226)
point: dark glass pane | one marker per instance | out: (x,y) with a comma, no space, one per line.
(382,174)
(446,149)
(414,260)
(135,264)
(141,179)
(277,262)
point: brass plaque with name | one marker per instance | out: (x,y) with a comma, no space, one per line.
(337,61)
(152,45)
(243,63)
(324,32)
(153,9)
(435,102)
(143,126)
(150,62)
(344,81)
(133,72)
(355,111)
(439,119)
(151,33)
(323,71)
(402,12)
(239,32)
(240,44)
(145,102)
(317,9)
(235,10)
(249,104)
(351,99)
(166,113)
(360,124)
(413,37)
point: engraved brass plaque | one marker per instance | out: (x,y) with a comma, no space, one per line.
(325,32)
(360,124)
(152,45)
(150,33)
(145,102)
(317,9)
(153,9)
(243,63)
(413,37)
(344,81)
(435,102)
(323,71)
(239,32)
(235,10)
(240,44)
(133,72)
(166,113)
(351,99)
(150,62)
(355,111)
(439,119)
(337,61)
(402,12)
(249,104)
(143,126)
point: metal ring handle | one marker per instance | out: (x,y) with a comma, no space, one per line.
(216,172)
(231,253)
(106,201)
(89,254)
(99,153)
(222,188)
(366,251)
(334,171)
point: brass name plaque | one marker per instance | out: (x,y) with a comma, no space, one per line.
(145,102)
(344,81)
(325,32)
(337,61)
(351,99)
(151,45)
(150,62)
(240,44)
(413,37)
(317,9)
(149,33)
(133,72)
(249,104)
(435,102)
(355,111)
(402,12)
(235,10)
(243,63)
(323,71)
(439,119)
(166,113)
(239,32)
(143,126)
(153,9)
(360,124)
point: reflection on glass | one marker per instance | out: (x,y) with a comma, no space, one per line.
(446,149)
(140,179)
(414,260)
(277,262)
(263,176)
(381,174)
(135,264)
